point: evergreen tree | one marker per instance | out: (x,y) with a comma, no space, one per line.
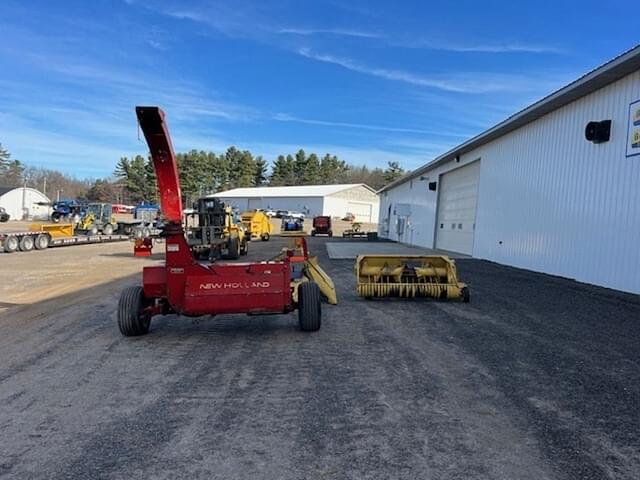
(278,172)
(393,172)
(290,177)
(300,166)
(4,159)
(260,175)
(12,174)
(311,174)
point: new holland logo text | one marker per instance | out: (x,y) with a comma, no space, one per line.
(233,285)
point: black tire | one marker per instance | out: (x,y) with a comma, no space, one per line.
(41,242)
(313,233)
(55,217)
(309,307)
(244,249)
(234,248)
(26,243)
(107,229)
(132,321)
(93,230)
(465,295)
(11,244)
(264,237)
(330,233)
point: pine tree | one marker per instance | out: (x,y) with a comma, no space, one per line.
(260,175)
(300,166)
(393,172)
(4,159)
(278,172)
(311,174)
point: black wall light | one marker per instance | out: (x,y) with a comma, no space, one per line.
(598,132)
(433,186)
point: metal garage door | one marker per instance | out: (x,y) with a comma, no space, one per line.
(254,203)
(362,211)
(457,209)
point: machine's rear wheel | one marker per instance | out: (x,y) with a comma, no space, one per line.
(11,244)
(93,230)
(132,320)
(41,242)
(466,296)
(244,249)
(313,233)
(264,237)
(26,243)
(107,229)
(234,248)
(309,307)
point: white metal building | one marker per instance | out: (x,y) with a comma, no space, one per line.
(332,200)
(534,192)
(24,203)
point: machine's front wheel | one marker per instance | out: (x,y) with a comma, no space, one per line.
(234,248)
(107,229)
(309,307)
(244,248)
(132,319)
(264,237)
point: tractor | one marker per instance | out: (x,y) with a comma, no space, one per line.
(186,286)
(217,234)
(98,218)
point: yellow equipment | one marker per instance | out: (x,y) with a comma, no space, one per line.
(311,269)
(98,219)
(409,276)
(55,230)
(257,225)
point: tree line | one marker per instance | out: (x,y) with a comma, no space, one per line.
(201,172)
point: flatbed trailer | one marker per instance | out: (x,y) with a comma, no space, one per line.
(26,241)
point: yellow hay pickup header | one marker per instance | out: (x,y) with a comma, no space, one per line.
(409,276)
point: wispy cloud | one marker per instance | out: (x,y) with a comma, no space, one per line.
(478,47)
(468,82)
(284,117)
(329,31)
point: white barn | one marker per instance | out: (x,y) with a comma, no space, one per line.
(24,203)
(313,200)
(545,190)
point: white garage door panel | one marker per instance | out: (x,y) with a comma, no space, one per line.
(362,211)
(457,209)
(255,203)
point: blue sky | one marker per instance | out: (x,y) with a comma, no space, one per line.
(370,81)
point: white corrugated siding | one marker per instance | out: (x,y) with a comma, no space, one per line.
(549,200)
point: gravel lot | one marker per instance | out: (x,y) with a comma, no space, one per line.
(537,378)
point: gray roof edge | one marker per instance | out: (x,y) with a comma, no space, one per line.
(613,70)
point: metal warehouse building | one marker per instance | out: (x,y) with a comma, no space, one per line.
(555,188)
(24,203)
(332,200)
